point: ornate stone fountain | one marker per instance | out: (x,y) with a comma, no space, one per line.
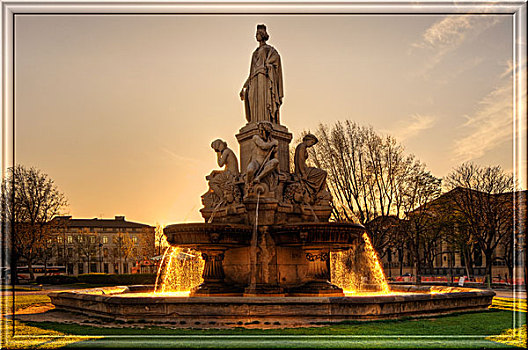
(266,239)
(266,230)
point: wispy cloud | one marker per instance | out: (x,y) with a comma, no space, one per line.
(181,159)
(411,127)
(447,34)
(491,123)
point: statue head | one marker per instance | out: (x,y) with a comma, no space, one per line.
(265,128)
(261,31)
(218,145)
(310,140)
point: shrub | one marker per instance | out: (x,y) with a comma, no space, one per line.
(125,279)
(56,279)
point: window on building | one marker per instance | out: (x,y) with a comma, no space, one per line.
(92,229)
(79,238)
(60,252)
(125,268)
(80,267)
(70,269)
(135,239)
(70,251)
(105,252)
(105,240)
(59,239)
(116,268)
(92,239)
(105,267)
(70,239)
(93,267)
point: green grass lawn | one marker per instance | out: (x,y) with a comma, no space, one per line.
(452,331)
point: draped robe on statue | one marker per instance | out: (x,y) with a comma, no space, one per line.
(264,92)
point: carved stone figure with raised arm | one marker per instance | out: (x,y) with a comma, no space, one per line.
(313,180)
(263,159)
(262,92)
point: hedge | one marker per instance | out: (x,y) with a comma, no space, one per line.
(56,279)
(124,279)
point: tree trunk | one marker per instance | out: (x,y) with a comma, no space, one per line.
(30,269)
(489,264)
(510,274)
(13,269)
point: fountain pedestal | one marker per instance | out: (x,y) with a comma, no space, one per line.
(213,276)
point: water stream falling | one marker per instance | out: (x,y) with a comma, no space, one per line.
(313,212)
(253,248)
(214,211)
(358,270)
(180,271)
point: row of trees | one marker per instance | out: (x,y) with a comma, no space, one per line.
(375,183)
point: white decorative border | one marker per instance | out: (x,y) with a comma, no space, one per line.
(515,8)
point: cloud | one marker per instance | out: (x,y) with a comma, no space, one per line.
(413,126)
(180,159)
(447,34)
(491,123)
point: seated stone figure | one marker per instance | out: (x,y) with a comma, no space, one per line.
(312,180)
(263,161)
(221,182)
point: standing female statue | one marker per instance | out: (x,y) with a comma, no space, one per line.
(262,92)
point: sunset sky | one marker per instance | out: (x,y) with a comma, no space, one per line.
(120,110)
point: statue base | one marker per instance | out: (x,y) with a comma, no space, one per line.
(264,290)
(280,133)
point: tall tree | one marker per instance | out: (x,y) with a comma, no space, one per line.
(123,248)
(161,240)
(371,178)
(30,199)
(420,230)
(484,202)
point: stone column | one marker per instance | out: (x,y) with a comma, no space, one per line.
(318,276)
(317,265)
(213,269)
(213,275)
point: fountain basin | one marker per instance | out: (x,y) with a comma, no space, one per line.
(207,235)
(318,235)
(133,304)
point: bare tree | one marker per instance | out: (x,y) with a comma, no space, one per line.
(161,240)
(87,246)
(30,199)
(420,230)
(483,206)
(123,248)
(147,244)
(370,177)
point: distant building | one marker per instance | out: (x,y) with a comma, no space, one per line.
(100,245)
(448,259)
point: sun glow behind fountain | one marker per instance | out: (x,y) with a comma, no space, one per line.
(179,272)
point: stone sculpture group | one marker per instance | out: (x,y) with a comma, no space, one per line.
(264,175)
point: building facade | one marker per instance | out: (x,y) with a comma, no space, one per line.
(96,245)
(443,256)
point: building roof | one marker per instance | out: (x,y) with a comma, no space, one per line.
(446,198)
(117,222)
